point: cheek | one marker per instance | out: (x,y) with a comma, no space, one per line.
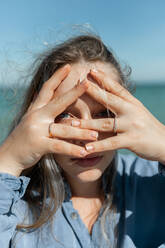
(108,157)
(60,159)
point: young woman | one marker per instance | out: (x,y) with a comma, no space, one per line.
(62,182)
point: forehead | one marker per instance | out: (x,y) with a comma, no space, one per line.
(80,71)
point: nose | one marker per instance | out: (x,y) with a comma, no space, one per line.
(84,112)
(83,109)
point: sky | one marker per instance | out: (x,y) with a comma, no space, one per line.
(134,29)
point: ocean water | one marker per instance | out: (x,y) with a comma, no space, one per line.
(151,95)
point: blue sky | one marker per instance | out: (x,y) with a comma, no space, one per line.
(135,29)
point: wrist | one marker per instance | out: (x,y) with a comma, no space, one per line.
(9,164)
(10,169)
(162,147)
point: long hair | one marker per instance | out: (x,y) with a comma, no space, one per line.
(46,176)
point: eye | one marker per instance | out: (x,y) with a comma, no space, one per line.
(63,116)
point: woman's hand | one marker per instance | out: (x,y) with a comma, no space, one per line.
(137,129)
(31,139)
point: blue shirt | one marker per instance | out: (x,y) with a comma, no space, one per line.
(140,195)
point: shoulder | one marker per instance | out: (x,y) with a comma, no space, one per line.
(137,178)
(22,211)
(132,164)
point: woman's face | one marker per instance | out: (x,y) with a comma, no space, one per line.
(85,108)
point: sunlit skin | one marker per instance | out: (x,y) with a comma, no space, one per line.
(134,126)
(84,182)
(136,130)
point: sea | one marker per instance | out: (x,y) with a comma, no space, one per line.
(11,98)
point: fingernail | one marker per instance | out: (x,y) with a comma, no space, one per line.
(83,153)
(94,70)
(66,66)
(75,123)
(83,81)
(78,82)
(89,148)
(94,134)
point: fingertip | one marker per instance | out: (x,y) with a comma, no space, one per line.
(93,74)
(67,68)
(83,153)
(75,123)
(94,71)
(89,147)
(85,82)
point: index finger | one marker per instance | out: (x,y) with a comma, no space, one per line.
(47,91)
(112,85)
(110,101)
(58,105)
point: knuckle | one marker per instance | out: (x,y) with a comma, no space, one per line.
(107,124)
(57,147)
(114,143)
(102,76)
(138,102)
(134,136)
(32,117)
(30,131)
(74,152)
(127,107)
(121,91)
(30,122)
(99,146)
(88,135)
(66,121)
(64,131)
(138,124)
(82,134)
(70,150)
(52,128)
(59,131)
(111,100)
